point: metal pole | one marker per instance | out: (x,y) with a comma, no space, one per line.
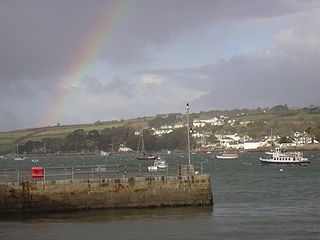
(72,174)
(188,132)
(201,164)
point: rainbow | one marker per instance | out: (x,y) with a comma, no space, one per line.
(89,52)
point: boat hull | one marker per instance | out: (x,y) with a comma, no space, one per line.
(284,163)
(227,157)
(147,158)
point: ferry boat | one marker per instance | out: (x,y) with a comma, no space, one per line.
(283,158)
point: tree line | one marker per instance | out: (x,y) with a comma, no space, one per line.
(108,139)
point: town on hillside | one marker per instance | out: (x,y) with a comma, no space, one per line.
(238,129)
(209,141)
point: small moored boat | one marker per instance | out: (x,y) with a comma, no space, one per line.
(144,156)
(158,165)
(228,156)
(103,153)
(19,158)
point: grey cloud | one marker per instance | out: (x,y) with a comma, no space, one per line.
(41,39)
(250,81)
(287,74)
(8,120)
(117,85)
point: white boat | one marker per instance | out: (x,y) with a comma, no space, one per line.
(158,164)
(284,158)
(228,156)
(19,158)
(103,153)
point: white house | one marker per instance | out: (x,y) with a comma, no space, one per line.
(123,148)
(303,138)
(160,132)
(179,125)
(198,123)
(251,145)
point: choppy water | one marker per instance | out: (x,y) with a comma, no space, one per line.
(251,202)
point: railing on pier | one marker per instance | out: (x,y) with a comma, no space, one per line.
(90,172)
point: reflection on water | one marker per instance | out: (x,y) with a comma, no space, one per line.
(110,215)
(251,202)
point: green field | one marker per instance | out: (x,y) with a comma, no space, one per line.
(8,140)
(261,123)
(265,117)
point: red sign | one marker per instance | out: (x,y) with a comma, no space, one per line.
(37,172)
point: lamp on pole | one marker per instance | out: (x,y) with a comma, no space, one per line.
(188,132)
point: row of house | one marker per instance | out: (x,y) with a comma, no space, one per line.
(235,141)
(231,141)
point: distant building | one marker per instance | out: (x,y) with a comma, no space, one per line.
(123,148)
(251,145)
(179,125)
(213,122)
(303,138)
(245,122)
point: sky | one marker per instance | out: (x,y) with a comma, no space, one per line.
(79,61)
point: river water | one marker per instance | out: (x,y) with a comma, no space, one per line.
(250,202)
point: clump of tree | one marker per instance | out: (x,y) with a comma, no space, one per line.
(160,120)
(108,139)
(285,139)
(312,109)
(315,130)
(283,110)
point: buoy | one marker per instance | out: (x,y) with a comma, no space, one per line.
(281,170)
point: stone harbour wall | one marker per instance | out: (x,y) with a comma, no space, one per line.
(135,192)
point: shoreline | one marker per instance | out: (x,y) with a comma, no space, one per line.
(309,147)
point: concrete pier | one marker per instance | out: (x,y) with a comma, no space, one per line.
(184,189)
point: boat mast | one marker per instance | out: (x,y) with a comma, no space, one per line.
(142,143)
(188,132)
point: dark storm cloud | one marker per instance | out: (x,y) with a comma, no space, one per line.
(286,74)
(40,39)
(253,82)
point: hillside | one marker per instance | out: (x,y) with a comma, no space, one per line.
(253,122)
(8,140)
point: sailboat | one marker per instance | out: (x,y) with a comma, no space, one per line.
(33,157)
(144,156)
(16,157)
